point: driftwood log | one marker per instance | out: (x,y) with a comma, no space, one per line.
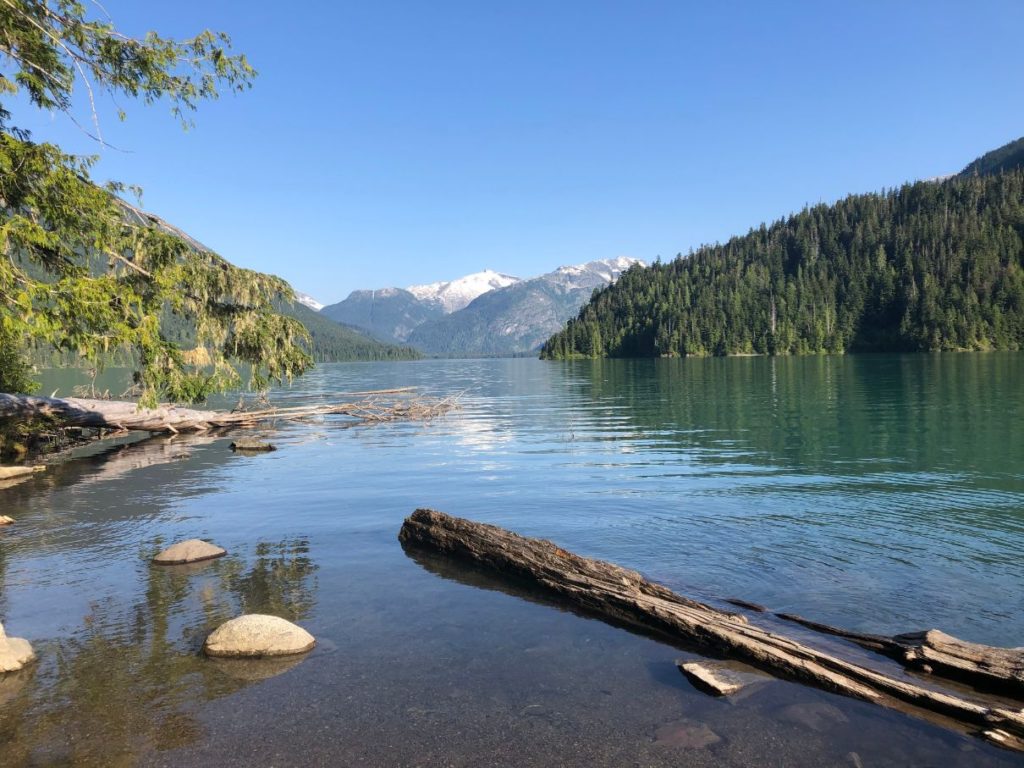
(8,473)
(621,595)
(125,415)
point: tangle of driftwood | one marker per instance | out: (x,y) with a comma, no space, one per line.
(372,407)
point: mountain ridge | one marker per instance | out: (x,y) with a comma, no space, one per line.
(453,295)
(931,266)
(518,318)
(394,315)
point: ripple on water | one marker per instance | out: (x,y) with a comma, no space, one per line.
(878,493)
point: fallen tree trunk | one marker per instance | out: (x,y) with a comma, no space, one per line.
(933,651)
(125,415)
(8,473)
(625,596)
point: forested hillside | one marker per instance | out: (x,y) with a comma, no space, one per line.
(1006,158)
(333,342)
(929,266)
(329,343)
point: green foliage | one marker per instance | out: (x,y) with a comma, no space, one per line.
(48,44)
(1006,158)
(85,273)
(931,266)
(15,375)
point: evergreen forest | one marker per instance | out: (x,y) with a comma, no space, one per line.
(931,266)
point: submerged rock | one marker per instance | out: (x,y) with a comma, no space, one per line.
(722,678)
(255,635)
(15,652)
(686,734)
(255,670)
(191,551)
(13,683)
(252,445)
(813,715)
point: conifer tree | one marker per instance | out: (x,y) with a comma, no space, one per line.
(82,271)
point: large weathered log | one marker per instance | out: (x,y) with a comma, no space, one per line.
(125,415)
(622,595)
(933,651)
(999,667)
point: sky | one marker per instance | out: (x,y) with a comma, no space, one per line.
(395,143)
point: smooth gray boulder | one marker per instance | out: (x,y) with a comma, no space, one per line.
(190,551)
(15,652)
(255,635)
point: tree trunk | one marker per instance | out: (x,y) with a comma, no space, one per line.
(123,415)
(625,596)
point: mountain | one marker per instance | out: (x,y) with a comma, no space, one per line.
(389,314)
(453,295)
(518,317)
(930,266)
(1006,158)
(332,342)
(309,301)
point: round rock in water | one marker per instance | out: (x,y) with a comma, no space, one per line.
(15,652)
(255,635)
(252,445)
(191,551)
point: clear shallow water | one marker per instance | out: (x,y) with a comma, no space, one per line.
(882,494)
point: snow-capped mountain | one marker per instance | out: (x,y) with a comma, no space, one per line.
(453,295)
(590,275)
(309,301)
(519,317)
(483,313)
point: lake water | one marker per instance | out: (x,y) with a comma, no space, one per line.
(879,493)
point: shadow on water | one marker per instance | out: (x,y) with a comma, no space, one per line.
(132,679)
(471,575)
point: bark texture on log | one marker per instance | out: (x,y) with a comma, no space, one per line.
(983,666)
(623,595)
(997,667)
(125,415)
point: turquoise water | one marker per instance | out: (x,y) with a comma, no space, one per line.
(879,493)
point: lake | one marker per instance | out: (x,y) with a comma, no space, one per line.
(878,493)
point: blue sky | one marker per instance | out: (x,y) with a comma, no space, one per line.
(391,143)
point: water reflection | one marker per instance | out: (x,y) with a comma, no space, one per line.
(882,494)
(131,679)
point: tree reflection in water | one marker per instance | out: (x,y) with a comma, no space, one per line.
(131,680)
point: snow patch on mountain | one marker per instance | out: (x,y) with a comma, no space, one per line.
(309,301)
(591,274)
(452,295)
